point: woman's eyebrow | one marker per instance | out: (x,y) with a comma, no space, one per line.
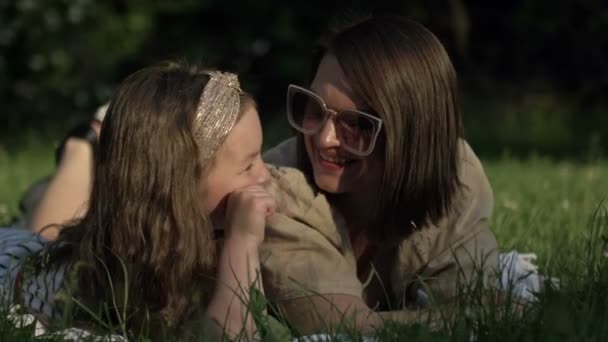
(359,106)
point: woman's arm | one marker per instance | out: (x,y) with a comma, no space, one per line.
(325,313)
(309,315)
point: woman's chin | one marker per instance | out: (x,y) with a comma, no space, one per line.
(332,185)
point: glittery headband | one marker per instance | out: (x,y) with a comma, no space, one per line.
(217,111)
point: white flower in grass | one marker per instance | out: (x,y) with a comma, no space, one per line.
(510,204)
(565,204)
(591,174)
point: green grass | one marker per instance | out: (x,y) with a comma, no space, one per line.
(541,206)
(18,171)
(544,206)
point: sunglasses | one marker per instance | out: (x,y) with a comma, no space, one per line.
(308,113)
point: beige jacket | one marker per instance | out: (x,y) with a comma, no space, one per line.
(307,249)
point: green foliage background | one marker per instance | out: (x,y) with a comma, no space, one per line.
(534,74)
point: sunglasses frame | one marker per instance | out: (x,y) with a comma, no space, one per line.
(292,89)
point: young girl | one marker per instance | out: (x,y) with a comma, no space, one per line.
(178,167)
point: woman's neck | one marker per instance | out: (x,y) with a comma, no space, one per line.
(357,210)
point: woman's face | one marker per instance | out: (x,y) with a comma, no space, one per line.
(238,163)
(335,169)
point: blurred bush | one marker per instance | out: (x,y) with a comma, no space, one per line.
(533,74)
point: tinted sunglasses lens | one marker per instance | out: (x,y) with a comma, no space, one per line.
(306,112)
(356,130)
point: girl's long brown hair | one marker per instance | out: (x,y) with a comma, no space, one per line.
(144,212)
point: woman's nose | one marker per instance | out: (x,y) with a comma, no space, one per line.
(327,136)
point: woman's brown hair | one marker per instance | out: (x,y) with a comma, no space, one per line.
(145,209)
(401,71)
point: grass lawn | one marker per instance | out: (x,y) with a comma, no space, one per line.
(541,206)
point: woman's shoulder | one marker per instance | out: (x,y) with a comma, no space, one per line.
(289,182)
(306,248)
(471,209)
(301,206)
(475,187)
(295,192)
(468,158)
(469,214)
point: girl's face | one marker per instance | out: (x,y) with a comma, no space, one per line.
(238,164)
(335,169)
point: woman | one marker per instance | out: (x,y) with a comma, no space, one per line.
(385,204)
(178,166)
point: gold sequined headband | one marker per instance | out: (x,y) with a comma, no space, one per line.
(217,111)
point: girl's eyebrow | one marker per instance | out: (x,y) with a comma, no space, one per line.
(251,156)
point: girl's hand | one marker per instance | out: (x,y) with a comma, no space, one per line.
(246,213)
